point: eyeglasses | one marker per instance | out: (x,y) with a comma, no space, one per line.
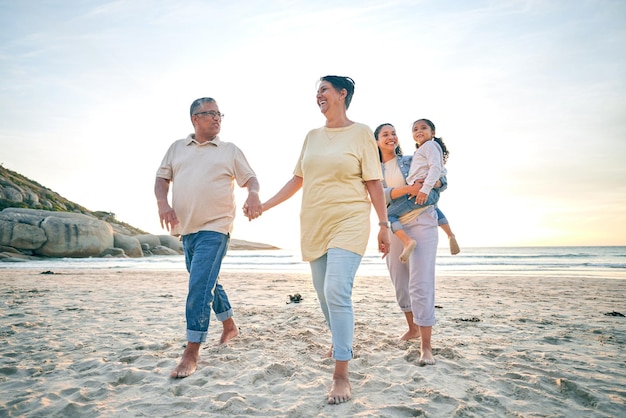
(211,113)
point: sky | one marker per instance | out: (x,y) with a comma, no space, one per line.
(529,96)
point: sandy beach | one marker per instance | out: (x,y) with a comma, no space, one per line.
(103,342)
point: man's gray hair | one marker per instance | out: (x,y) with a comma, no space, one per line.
(198,103)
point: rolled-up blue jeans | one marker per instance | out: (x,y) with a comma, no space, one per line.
(204,251)
(333,277)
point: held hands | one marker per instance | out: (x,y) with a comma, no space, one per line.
(252,209)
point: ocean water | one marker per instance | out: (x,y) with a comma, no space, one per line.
(605,262)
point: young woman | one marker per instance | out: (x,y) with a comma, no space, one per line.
(413,281)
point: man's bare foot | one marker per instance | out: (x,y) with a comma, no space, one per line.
(229,331)
(340,391)
(426,358)
(189,362)
(411,334)
(406,253)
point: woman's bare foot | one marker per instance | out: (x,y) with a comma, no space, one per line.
(229,331)
(329,353)
(426,358)
(340,391)
(189,362)
(406,253)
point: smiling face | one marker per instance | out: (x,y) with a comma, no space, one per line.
(387,139)
(422,132)
(328,97)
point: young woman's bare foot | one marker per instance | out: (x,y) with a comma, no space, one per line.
(411,334)
(426,358)
(189,362)
(414,330)
(340,391)
(406,253)
(229,331)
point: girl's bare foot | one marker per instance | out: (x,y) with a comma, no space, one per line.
(406,253)
(188,363)
(454,246)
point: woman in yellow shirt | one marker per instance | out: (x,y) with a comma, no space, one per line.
(340,176)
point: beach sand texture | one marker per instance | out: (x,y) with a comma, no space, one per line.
(103,343)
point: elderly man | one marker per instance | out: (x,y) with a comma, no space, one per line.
(203,170)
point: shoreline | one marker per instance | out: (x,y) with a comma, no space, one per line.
(102,343)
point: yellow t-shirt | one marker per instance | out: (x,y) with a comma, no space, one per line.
(334,164)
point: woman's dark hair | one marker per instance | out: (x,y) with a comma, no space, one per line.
(398,149)
(339,83)
(444,149)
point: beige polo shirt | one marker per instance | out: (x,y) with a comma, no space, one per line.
(202,183)
(335,213)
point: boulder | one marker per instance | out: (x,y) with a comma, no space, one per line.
(172,242)
(75,236)
(130,245)
(150,240)
(21,235)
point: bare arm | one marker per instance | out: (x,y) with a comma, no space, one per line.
(167,216)
(288,190)
(377,196)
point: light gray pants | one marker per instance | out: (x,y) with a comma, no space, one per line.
(414,282)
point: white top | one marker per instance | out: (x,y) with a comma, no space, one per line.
(427,164)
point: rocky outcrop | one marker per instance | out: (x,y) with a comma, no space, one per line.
(36,222)
(42,233)
(17,191)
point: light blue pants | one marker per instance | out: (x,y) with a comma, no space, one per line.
(333,277)
(204,252)
(414,282)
